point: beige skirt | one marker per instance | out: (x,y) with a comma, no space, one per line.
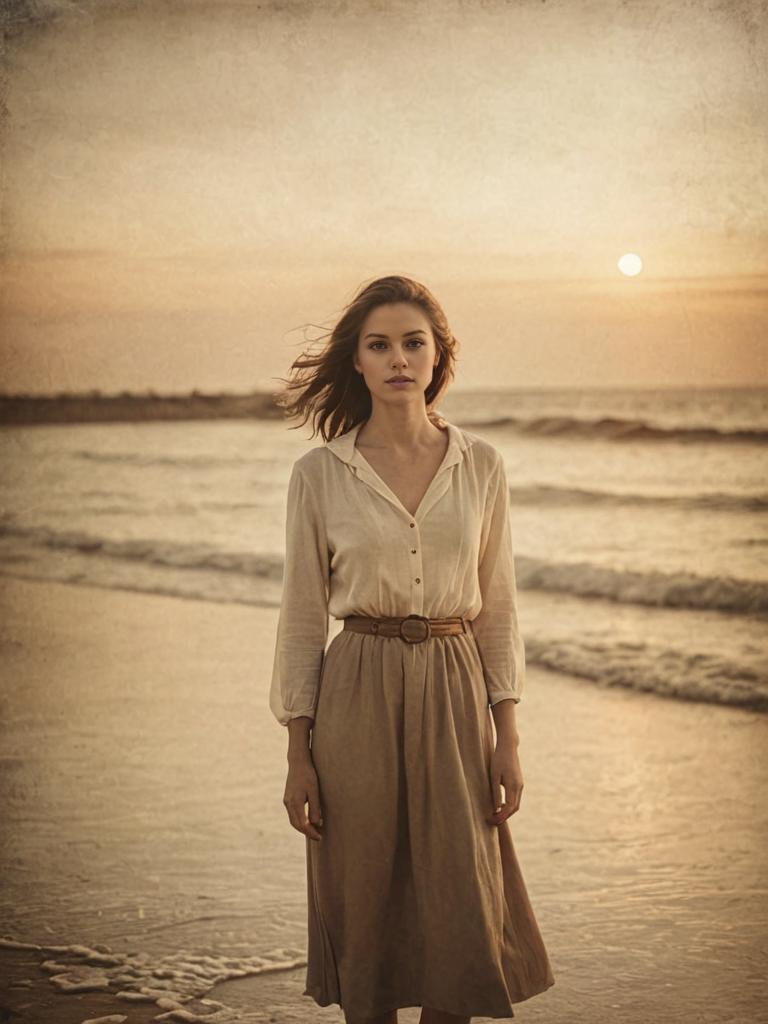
(414,898)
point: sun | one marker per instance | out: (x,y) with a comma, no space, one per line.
(630,264)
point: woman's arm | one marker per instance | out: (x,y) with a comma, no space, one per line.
(506,724)
(501,648)
(299,729)
(300,648)
(302,628)
(496,628)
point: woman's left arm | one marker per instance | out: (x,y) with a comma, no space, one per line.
(506,725)
(506,769)
(501,647)
(496,628)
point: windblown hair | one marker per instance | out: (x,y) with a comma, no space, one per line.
(326,385)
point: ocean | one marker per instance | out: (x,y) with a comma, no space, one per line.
(638,517)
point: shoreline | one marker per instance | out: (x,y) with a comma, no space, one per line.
(691,681)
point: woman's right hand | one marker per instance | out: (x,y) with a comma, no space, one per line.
(302,787)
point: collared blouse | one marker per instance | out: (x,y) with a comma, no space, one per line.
(352,548)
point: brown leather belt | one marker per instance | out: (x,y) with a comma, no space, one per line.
(414,629)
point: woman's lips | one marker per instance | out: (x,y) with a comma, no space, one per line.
(399,383)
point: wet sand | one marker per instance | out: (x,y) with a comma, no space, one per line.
(141,782)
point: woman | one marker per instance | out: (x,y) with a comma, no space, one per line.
(399,525)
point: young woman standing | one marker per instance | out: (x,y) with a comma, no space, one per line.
(399,525)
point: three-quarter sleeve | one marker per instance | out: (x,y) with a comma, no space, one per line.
(302,628)
(496,628)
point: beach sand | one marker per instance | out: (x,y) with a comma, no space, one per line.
(141,793)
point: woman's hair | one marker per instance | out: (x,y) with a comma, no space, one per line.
(327,387)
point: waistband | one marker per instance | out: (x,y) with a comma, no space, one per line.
(413,629)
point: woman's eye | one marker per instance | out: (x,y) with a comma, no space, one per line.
(417,342)
(413,341)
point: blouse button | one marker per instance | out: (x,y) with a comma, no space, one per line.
(413,524)
(418,580)
(413,551)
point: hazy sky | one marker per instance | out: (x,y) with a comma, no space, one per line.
(188,183)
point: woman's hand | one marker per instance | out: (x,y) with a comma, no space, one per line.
(302,787)
(506,770)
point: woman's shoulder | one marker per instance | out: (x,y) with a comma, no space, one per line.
(314,463)
(481,454)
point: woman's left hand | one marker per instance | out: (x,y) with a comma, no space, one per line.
(506,771)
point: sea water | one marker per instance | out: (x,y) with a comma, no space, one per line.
(638,517)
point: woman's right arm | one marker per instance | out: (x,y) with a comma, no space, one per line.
(299,730)
(302,633)
(302,627)
(302,786)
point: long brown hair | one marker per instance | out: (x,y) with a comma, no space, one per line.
(326,385)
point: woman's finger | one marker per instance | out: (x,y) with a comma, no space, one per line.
(298,818)
(503,812)
(510,806)
(302,822)
(293,813)
(315,822)
(496,794)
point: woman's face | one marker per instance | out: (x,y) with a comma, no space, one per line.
(396,340)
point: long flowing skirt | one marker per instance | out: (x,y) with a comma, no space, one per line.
(414,898)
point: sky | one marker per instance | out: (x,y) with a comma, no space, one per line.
(192,191)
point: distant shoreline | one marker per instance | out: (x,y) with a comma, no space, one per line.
(23,409)
(16,410)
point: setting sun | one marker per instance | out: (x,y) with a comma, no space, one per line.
(630,264)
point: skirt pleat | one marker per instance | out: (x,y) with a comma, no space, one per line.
(414,899)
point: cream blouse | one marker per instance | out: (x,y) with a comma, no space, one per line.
(353,549)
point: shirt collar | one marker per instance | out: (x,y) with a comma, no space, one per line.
(343,446)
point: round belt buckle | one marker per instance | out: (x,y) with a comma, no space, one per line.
(415,628)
